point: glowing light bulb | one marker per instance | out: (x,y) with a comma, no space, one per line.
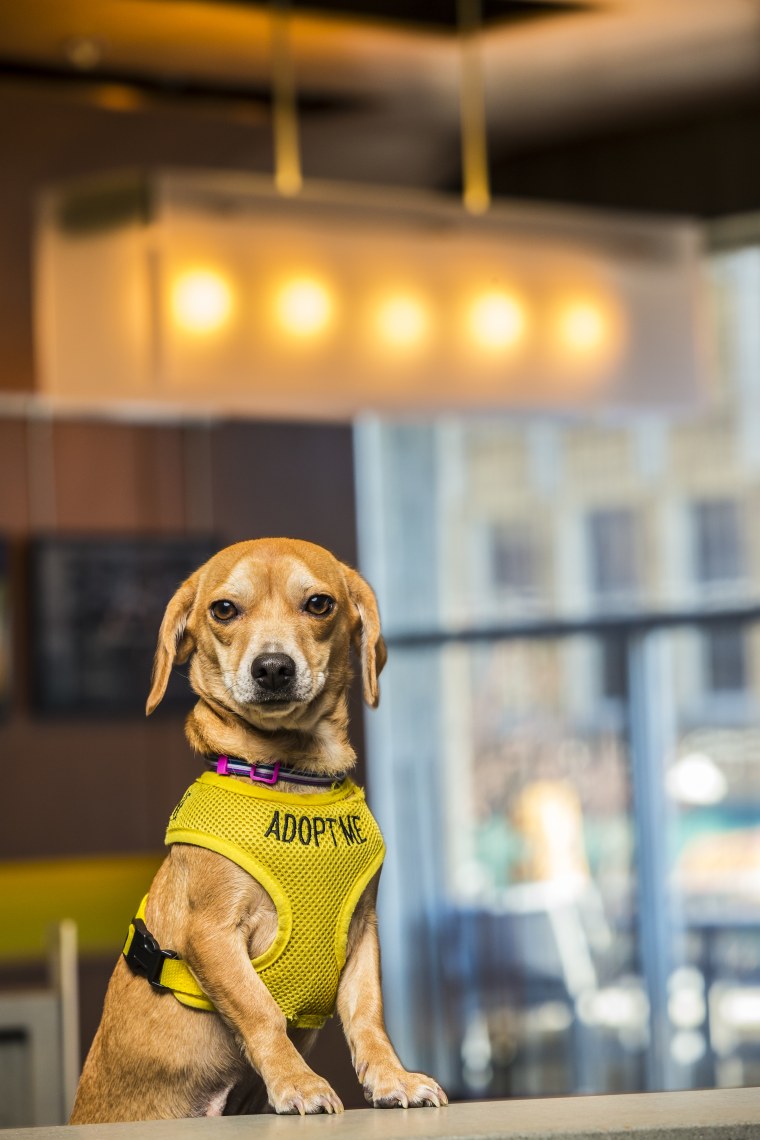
(304,307)
(696,779)
(402,321)
(497,320)
(201,301)
(582,327)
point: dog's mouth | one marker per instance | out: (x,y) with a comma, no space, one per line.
(274,687)
(276,700)
(273,712)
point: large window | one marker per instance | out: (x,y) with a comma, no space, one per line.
(725,659)
(614,553)
(515,565)
(565,759)
(718,546)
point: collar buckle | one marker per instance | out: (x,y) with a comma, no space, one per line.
(270,773)
(271,779)
(227,766)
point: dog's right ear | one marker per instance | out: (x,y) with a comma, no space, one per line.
(175,644)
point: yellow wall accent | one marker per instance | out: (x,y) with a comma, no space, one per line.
(100,893)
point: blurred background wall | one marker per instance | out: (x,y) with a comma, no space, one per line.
(83,785)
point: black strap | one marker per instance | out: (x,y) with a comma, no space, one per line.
(144,955)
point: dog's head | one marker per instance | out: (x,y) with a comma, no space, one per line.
(267,626)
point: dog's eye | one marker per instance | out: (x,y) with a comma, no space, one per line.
(223,610)
(320,605)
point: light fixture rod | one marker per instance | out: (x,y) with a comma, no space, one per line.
(287,154)
(476,190)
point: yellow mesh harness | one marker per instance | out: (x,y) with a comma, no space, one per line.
(314,854)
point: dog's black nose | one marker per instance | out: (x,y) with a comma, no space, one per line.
(273,671)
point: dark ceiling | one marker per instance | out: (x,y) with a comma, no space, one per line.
(443,15)
(447,17)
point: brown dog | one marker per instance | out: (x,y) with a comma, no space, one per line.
(267,626)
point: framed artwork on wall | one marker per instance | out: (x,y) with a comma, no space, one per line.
(96,606)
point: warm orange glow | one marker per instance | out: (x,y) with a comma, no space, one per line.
(201,301)
(497,321)
(304,307)
(583,327)
(402,321)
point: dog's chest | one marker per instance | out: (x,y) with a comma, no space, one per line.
(313,855)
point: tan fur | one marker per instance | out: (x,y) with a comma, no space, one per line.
(152,1057)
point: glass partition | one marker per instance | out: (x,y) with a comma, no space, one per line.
(569,913)
(565,759)
(515,851)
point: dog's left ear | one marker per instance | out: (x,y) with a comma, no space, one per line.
(367,638)
(174,642)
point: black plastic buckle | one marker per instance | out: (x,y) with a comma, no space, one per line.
(145,956)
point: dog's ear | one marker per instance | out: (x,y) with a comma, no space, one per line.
(367,638)
(174,642)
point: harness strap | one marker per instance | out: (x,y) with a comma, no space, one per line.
(164,969)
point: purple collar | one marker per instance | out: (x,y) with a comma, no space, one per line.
(269,773)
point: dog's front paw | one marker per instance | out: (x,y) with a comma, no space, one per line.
(307,1093)
(387,1087)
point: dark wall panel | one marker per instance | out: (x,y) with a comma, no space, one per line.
(79,786)
(88,787)
(14,497)
(286,480)
(118,479)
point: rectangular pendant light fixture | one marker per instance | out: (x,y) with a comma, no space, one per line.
(211,292)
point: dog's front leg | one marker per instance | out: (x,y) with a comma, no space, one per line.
(387,1084)
(219,959)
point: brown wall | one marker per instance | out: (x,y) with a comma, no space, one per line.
(234,480)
